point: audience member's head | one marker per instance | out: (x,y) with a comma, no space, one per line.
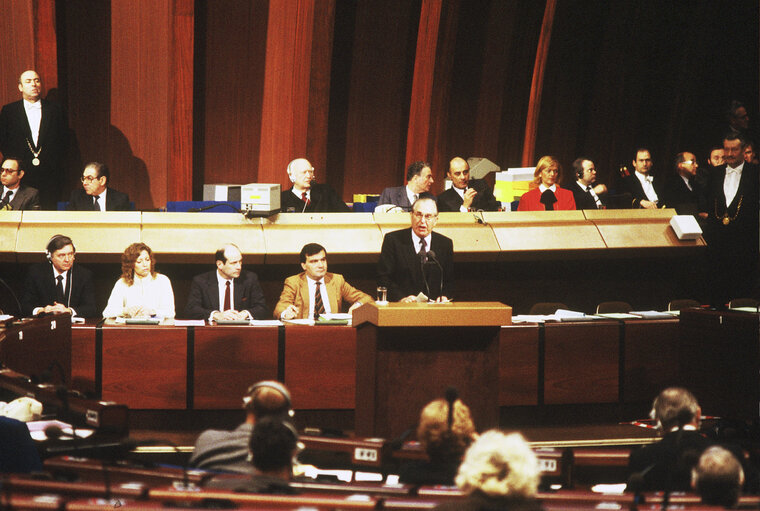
(301,173)
(273,444)
(738,119)
(674,408)
(548,171)
(419,177)
(445,436)
(686,164)
(11,174)
(267,399)
(642,163)
(733,149)
(750,155)
(718,477)
(137,259)
(95,178)
(499,465)
(716,156)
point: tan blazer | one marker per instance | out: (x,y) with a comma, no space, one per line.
(296,292)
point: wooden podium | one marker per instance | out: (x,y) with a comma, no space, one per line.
(35,345)
(408,354)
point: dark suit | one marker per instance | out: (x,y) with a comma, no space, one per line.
(39,290)
(686,202)
(52,142)
(733,246)
(24,198)
(322,199)
(204,296)
(583,199)
(450,200)
(632,186)
(115,201)
(397,196)
(669,461)
(401,270)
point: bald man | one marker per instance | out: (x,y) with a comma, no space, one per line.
(466,194)
(34,130)
(306,195)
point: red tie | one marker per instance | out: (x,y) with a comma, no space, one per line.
(305,198)
(227,301)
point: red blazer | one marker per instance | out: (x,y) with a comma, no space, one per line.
(531,201)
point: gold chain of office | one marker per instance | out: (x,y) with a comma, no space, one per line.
(724,217)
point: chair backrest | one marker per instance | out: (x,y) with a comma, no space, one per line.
(612,307)
(544,308)
(677,305)
(743,302)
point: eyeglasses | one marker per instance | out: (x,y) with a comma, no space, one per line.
(689,162)
(428,217)
(9,171)
(89,179)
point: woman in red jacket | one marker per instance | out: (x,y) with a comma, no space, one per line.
(547,196)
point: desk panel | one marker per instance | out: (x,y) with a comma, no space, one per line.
(9,224)
(145,367)
(320,366)
(227,360)
(581,363)
(543,230)
(625,229)
(651,353)
(83,358)
(518,365)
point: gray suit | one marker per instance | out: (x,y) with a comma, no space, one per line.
(397,196)
(223,450)
(24,198)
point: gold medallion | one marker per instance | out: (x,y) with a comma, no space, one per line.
(726,220)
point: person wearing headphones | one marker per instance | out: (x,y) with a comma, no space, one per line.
(587,195)
(228,451)
(59,286)
(307,196)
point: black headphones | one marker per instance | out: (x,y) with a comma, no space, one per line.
(50,248)
(270,384)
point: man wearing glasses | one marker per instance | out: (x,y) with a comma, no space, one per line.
(14,195)
(95,194)
(686,190)
(307,196)
(417,261)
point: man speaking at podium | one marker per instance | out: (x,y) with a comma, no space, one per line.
(417,260)
(59,286)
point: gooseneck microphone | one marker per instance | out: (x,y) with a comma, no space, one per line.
(249,214)
(431,256)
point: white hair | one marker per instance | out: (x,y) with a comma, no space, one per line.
(499,465)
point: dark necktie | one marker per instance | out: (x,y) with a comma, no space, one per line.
(6,199)
(548,199)
(95,203)
(59,296)
(305,198)
(227,298)
(319,306)
(423,250)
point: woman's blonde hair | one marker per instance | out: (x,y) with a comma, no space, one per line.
(433,432)
(544,163)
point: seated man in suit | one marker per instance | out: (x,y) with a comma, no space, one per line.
(586,194)
(59,286)
(227,293)
(307,196)
(16,196)
(95,194)
(466,194)
(419,179)
(227,451)
(686,190)
(316,291)
(667,464)
(417,260)
(644,189)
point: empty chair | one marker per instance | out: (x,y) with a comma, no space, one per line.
(743,302)
(613,307)
(544,308)
(677,305)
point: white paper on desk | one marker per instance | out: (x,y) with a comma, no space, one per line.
(651,314)
(266,322)
(304,321)
(189,322)
(568,316)
(5,317)
(335,315)
(76,320)
(618,315)
(37,430)
(614,489)
(533,318)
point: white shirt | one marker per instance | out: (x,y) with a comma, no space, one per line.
(543,188)
(155,294)
(646,184)
(461,191)
(312,293)
(34,116)
(731,182)
(101,199)
(411,196)
(688,184)
(6,190)
(222,284)
(590,189)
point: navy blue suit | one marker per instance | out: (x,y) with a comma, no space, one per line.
(204,296)
(39,290)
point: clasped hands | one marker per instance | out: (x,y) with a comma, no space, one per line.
(229,315)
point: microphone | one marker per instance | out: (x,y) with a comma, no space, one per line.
(248,214)
(451,397)
(423,261)
(431,256)
(479,218)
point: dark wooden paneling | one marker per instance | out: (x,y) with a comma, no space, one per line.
(246,355)
(83,358)
(148,371)
(581,363)
(180,171)
(518,366)
(651,351)
(18,44)
(321,371)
